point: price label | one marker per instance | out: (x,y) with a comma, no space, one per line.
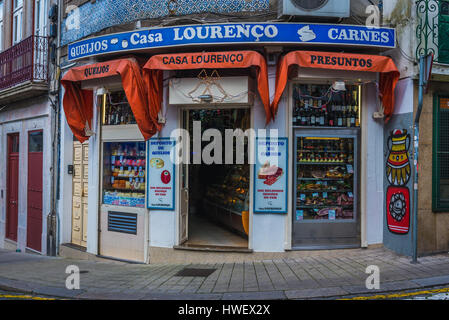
(299,215)
(350,195)
(302,197)
(332,215)
(350,168)
(325,195)
(316,195)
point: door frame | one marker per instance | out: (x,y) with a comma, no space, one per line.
(9,137)
(187,108)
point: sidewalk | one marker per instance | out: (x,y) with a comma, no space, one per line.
(303,275)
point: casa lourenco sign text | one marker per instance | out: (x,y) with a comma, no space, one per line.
(256,33)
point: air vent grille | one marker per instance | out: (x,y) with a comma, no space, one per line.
(122,222)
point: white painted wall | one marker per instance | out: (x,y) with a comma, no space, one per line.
(64,205)
(94,182)
(373,138)
(22,119)
(163,224)
(268,233)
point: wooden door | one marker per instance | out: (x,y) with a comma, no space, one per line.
(34,190)
(12,188)
(80,193)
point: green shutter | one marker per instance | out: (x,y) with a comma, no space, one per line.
(443,32)
(440,189)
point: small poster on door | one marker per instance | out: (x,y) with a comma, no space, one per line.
(161,174)
(271,174)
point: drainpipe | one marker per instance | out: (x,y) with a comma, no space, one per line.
(422,84)
(53,218)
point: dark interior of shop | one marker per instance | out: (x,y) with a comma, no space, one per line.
(219,193)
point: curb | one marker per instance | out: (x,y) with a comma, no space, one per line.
(304,294)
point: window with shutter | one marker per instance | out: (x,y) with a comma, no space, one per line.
(441,154)
(443,31)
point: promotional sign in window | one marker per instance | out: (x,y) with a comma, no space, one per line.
(271,174)
(161,174)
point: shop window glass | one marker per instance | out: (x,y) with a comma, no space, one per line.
(124,174)
(14,143)
(117,110)
(36,141)
(441,154)
(322,106)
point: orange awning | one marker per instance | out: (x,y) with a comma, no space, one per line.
(152,72)
(389,74)
(78,103)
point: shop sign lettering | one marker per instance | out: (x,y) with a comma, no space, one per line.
(238,33)
(88,72)
(340,61)
(206,58)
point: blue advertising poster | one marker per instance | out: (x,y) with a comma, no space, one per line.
(271,175)
(235,33)
(161,174)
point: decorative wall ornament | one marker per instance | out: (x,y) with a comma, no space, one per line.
(398,171)
(398,165)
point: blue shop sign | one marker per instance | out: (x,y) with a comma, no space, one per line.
(234,33)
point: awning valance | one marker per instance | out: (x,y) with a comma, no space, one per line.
(204,60)
(78,103)
(389,74)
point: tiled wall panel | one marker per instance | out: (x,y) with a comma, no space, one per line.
(90,17)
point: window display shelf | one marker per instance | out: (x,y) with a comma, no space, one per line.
(124,190)
(321,191)
(325,163)
(323,206)
(323,179)
(124,175)
(325,189)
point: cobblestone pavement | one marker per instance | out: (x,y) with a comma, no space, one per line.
(299,276)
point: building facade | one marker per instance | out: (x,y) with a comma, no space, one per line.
(26,125)
(338,90)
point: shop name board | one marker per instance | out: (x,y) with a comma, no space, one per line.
(271,175)
(340,61)
(237,33)
(161,174)
(206,58)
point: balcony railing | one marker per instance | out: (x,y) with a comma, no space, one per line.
(432,31)
(27,61)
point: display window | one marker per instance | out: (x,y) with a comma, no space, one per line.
(325,175)
(117,110)
(124,174)
(326,130)
(323,106)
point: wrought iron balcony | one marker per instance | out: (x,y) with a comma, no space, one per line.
(24,64)
(432,31)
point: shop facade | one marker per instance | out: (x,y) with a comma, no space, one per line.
(315,182)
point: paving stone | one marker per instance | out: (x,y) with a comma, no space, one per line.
(432,281)
(273,295)
(315,293)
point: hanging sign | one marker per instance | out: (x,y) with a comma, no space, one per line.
(161,174)
(234,33)
(271,175)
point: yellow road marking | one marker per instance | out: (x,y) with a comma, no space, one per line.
(8,296)
(400,295)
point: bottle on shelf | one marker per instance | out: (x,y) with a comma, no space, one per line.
(312,117)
